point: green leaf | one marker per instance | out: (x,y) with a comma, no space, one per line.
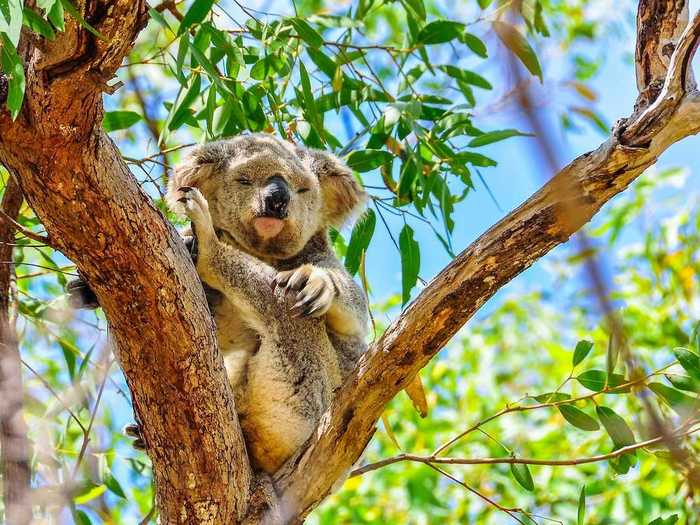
(671,520)
(410,262)
(81,518)
(323,62)
(181,108)
(684,383)
(616,427)
(495,136)
(467,76)
(37,24)
(307,33)
(56,16)
(520,47)
(578,418)
(368,159)
(521,473)
(483,4)
(678,401)
(158,17)
(622,464)
(90,492)
(114,486)
(195,14)
(695,337)
(583,347)
(417,7)
(73,11)
(310,104)
(552,397)
(596,380)
(439,32)
(476,159)
(114,120)
(475,44)
(359,241)
(11,20)
(69,353)
(581,514)
(689,360)
(14,71)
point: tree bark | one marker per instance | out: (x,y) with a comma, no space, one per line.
(14,446)
(90,204)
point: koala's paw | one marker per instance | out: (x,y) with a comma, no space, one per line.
(313,287)
(134,431)
(196,208)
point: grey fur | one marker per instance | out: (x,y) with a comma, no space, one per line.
(291,321)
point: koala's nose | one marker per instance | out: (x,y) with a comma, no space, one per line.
(276,197)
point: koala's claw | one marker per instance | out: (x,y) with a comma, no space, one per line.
(313,287)
(196,208)
(134,431)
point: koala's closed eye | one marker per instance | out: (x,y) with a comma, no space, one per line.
(302,190)
(244,181)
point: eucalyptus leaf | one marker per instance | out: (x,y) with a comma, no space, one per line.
(522,475)
(359,240)
(582,349)
(520,47)
(115,120)
(410,262)
(578,418)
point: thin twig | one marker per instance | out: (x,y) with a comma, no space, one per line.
(679,433)
(27,232)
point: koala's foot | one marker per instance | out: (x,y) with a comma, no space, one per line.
(134,431)
(313,287)
(263,507)
(196,208)
(80,295)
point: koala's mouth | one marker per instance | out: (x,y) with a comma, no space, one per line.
(268,227)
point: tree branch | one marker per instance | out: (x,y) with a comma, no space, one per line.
(74,178)
(686,430)
(659,25)
(545,220)
(14,445)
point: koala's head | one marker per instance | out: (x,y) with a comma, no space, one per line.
(268,194)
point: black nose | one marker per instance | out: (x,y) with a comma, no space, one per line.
(276,197)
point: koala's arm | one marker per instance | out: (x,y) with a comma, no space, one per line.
(241,277)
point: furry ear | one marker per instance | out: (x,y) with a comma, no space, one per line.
(343,197)
(193,171)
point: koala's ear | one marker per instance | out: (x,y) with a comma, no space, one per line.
(193,171)
(343,197)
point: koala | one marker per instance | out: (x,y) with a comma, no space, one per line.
(291,322)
